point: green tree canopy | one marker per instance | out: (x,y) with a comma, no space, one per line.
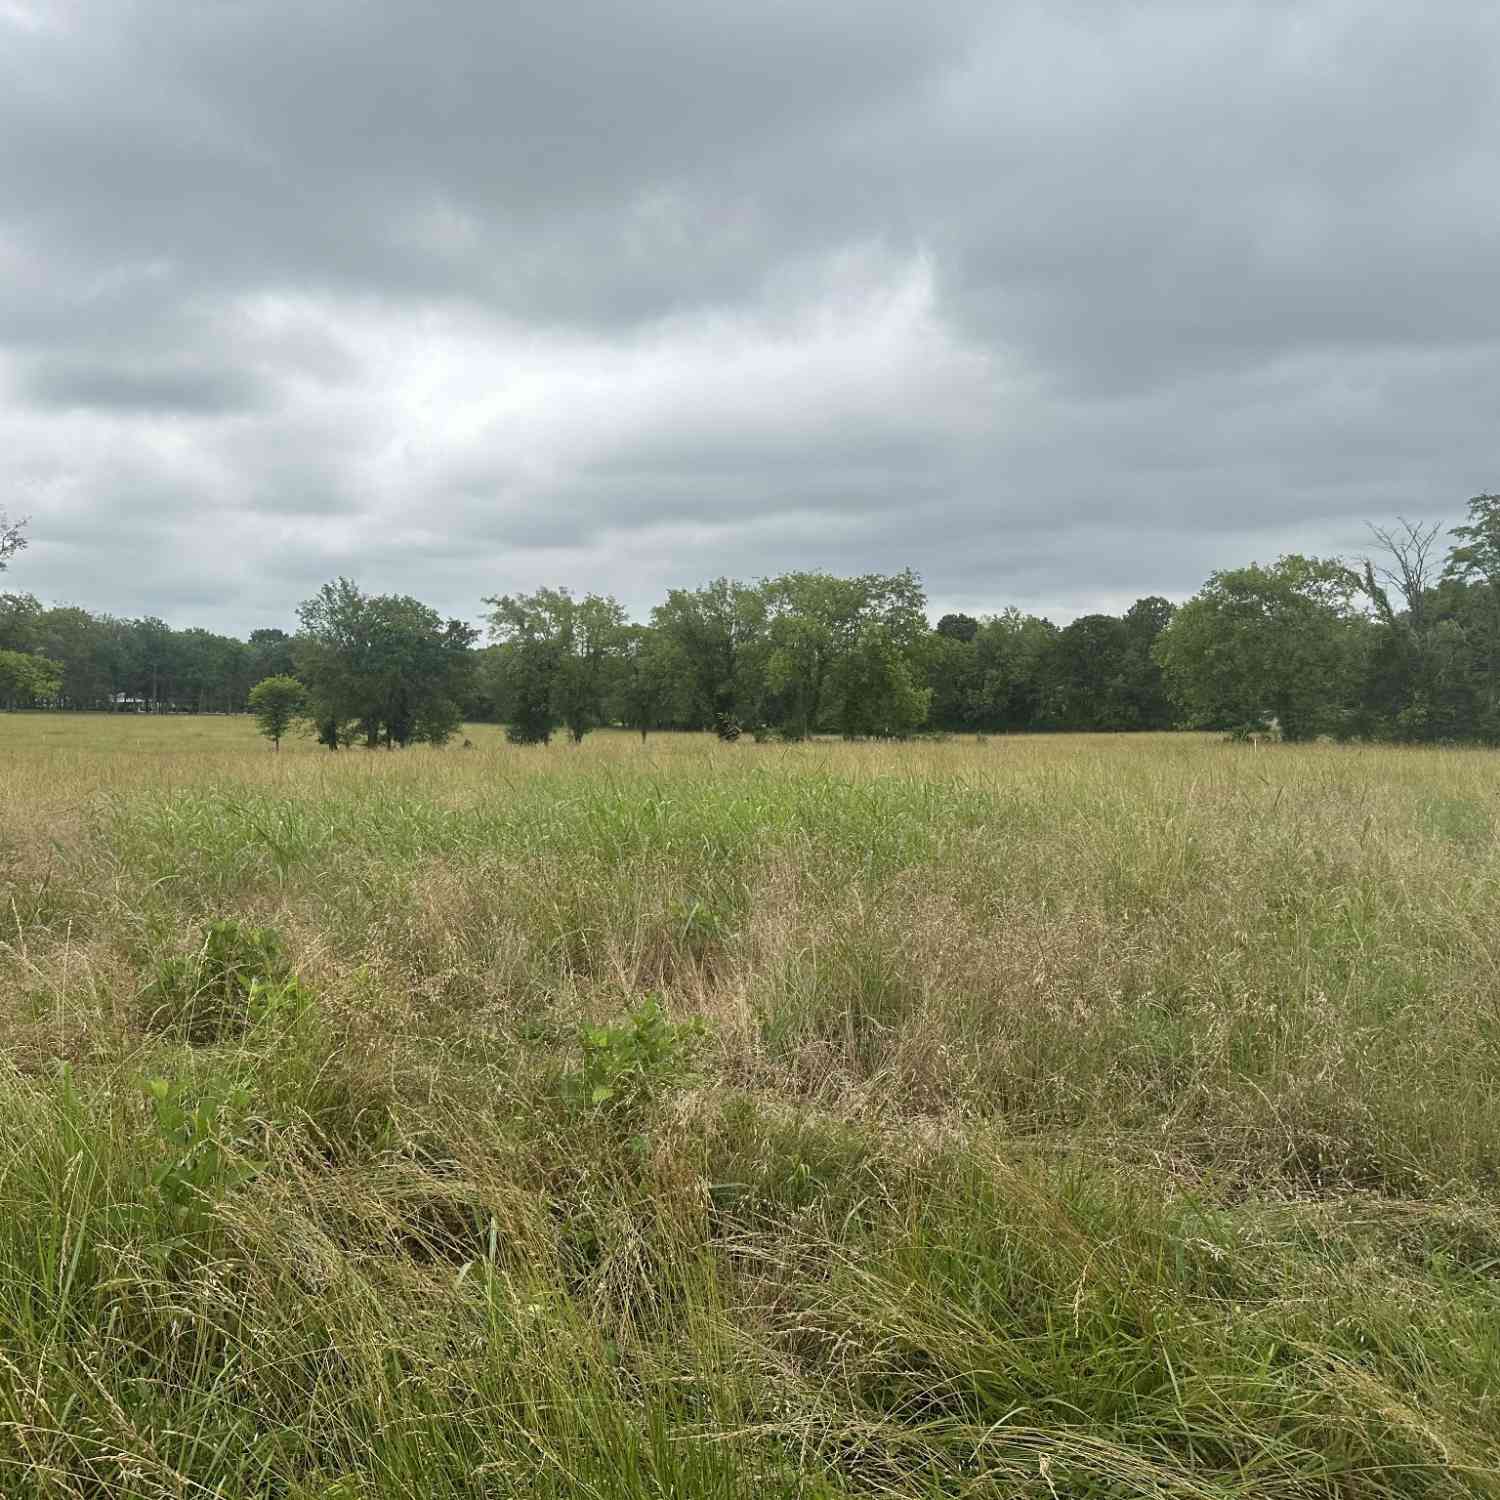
(649,669)
(1475,561)
(562,661)
(1262,643)
(270,651)
(715,637)
(1087,672)
(821,636)
(386,667)
(877,685)
(25,678)
(1011,653)
(958,627)
(20,622)
(276,703)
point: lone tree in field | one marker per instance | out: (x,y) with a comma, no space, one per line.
(12,538)
(276,702)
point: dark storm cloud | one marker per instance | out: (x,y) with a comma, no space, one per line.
(1059,303)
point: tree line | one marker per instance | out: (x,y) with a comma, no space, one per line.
(1403,645)
(77,659)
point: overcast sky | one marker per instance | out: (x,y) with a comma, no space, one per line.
(1058,303)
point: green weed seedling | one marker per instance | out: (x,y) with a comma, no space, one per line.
(203,1139)
(700,928)
(631,1062)
(276,1004)
(234,980)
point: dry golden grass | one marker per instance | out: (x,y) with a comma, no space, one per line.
(1074,1116)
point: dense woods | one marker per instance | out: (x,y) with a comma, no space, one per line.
(1403,645)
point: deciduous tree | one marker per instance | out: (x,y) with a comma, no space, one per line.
(1262,643)
(716,639)
(816,622)
(559,661)
(1475,561)
(1010,655)
(276,703)
(385,666)
(25,678)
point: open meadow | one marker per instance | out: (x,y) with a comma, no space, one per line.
(1055,1116)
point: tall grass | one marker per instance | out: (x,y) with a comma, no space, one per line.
(1072,1117)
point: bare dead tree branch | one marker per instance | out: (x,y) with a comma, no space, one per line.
(1412,570)
(12,537)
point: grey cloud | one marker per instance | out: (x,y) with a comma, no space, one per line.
(361,144)
(480,297)
(119,387)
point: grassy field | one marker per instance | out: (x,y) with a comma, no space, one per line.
(1046,1117)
